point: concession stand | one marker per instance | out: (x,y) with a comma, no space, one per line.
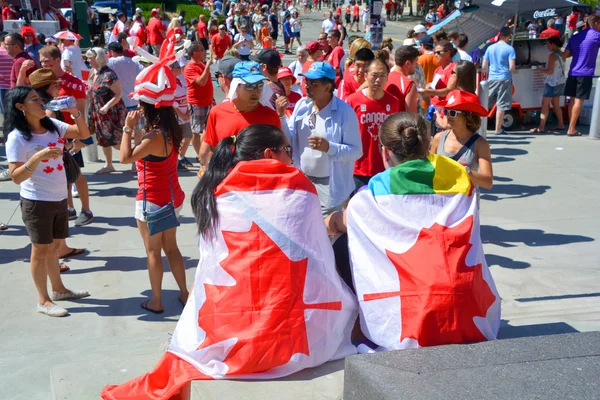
(481,20)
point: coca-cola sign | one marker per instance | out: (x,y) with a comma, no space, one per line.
(550,12)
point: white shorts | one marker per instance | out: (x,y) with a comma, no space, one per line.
(139,209)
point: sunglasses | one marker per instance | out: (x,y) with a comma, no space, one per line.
(252,86)
(437,53)
(453,113)
(287,149)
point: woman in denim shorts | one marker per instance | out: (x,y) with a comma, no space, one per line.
(555,85)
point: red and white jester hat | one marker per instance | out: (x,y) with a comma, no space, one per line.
(156,84)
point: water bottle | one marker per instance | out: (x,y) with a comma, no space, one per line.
(61,103)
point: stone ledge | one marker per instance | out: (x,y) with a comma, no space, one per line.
(546,367)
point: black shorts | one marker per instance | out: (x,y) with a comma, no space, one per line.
(45,220)
(347,18)
(273,35)
(579,87)
(356,19)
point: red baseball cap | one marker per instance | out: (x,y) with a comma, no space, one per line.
(284,72)
(462,101)
(313,46)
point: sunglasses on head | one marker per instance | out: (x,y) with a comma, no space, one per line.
(252,86)
(287,149)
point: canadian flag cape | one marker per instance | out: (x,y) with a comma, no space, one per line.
(417,260)
(267,299)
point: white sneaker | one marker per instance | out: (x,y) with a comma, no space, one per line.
(74,191)
(52,311)
(4,175)
(72,294)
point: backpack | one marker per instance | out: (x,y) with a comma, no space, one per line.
(191,34)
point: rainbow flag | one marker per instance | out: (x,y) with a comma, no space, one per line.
(267,299)
(417,259)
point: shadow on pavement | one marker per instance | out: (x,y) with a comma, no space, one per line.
(110,179)
(559,297)
(124,263)
(9,195)
(507,151)
(508,142)
(529,237)
(129,306)
(512,191)
(22,254)
(113,191)
(505,262)
(502,179)
(508,331)
(500,159)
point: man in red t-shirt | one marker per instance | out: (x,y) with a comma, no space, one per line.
(7,14)
(550,31)
(315,52)
(572,23)
(355,17)
(202,31)
(156,31)
(14,45)
(200,91)
(220,43)
(71,86)
(372,106)
(354,77)
(244,109)
(336,54)
(399,84)
(322,40)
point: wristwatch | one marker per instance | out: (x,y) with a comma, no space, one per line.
(127,129)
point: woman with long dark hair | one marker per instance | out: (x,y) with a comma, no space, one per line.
(156,160)
(34,150)
(252,143)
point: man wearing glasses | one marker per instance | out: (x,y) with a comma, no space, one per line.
(325,136)
(14,45)
(220,43)
(247,106)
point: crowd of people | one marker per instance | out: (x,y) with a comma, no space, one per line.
(150,94)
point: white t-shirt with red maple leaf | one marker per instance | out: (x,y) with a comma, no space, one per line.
(48,181)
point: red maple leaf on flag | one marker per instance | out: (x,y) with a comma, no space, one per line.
(265,308)
(440,294)
(51,144)
(59,167)
(48,169)
(62,140)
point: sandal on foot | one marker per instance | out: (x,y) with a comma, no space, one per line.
(105,170)
(71,294)
(73,253)
(536,130)
(145,307)
(574,134)
(52,311)
(63,268)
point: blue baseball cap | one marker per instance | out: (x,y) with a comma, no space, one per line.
(319,70)
(248,71)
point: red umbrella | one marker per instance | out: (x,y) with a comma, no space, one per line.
(67,35)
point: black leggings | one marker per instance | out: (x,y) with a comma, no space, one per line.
(342,260)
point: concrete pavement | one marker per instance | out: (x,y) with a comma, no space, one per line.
(539,226)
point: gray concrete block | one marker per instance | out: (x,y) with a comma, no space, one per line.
(325,382)
(548,367)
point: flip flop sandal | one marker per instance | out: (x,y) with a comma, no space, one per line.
(105,170)
(536,130)
(145,307)
(575,134)
(73,253)
(64,268)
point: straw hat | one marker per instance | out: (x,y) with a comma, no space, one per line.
(42,77)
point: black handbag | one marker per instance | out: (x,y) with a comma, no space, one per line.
(165,217)
(72,169)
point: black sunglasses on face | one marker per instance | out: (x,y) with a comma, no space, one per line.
(439,52)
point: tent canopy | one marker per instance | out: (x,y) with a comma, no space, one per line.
(477,24)
(508,8)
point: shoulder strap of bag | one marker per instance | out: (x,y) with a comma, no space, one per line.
(562,69)
(466,146)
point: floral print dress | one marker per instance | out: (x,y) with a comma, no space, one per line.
(107,127)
